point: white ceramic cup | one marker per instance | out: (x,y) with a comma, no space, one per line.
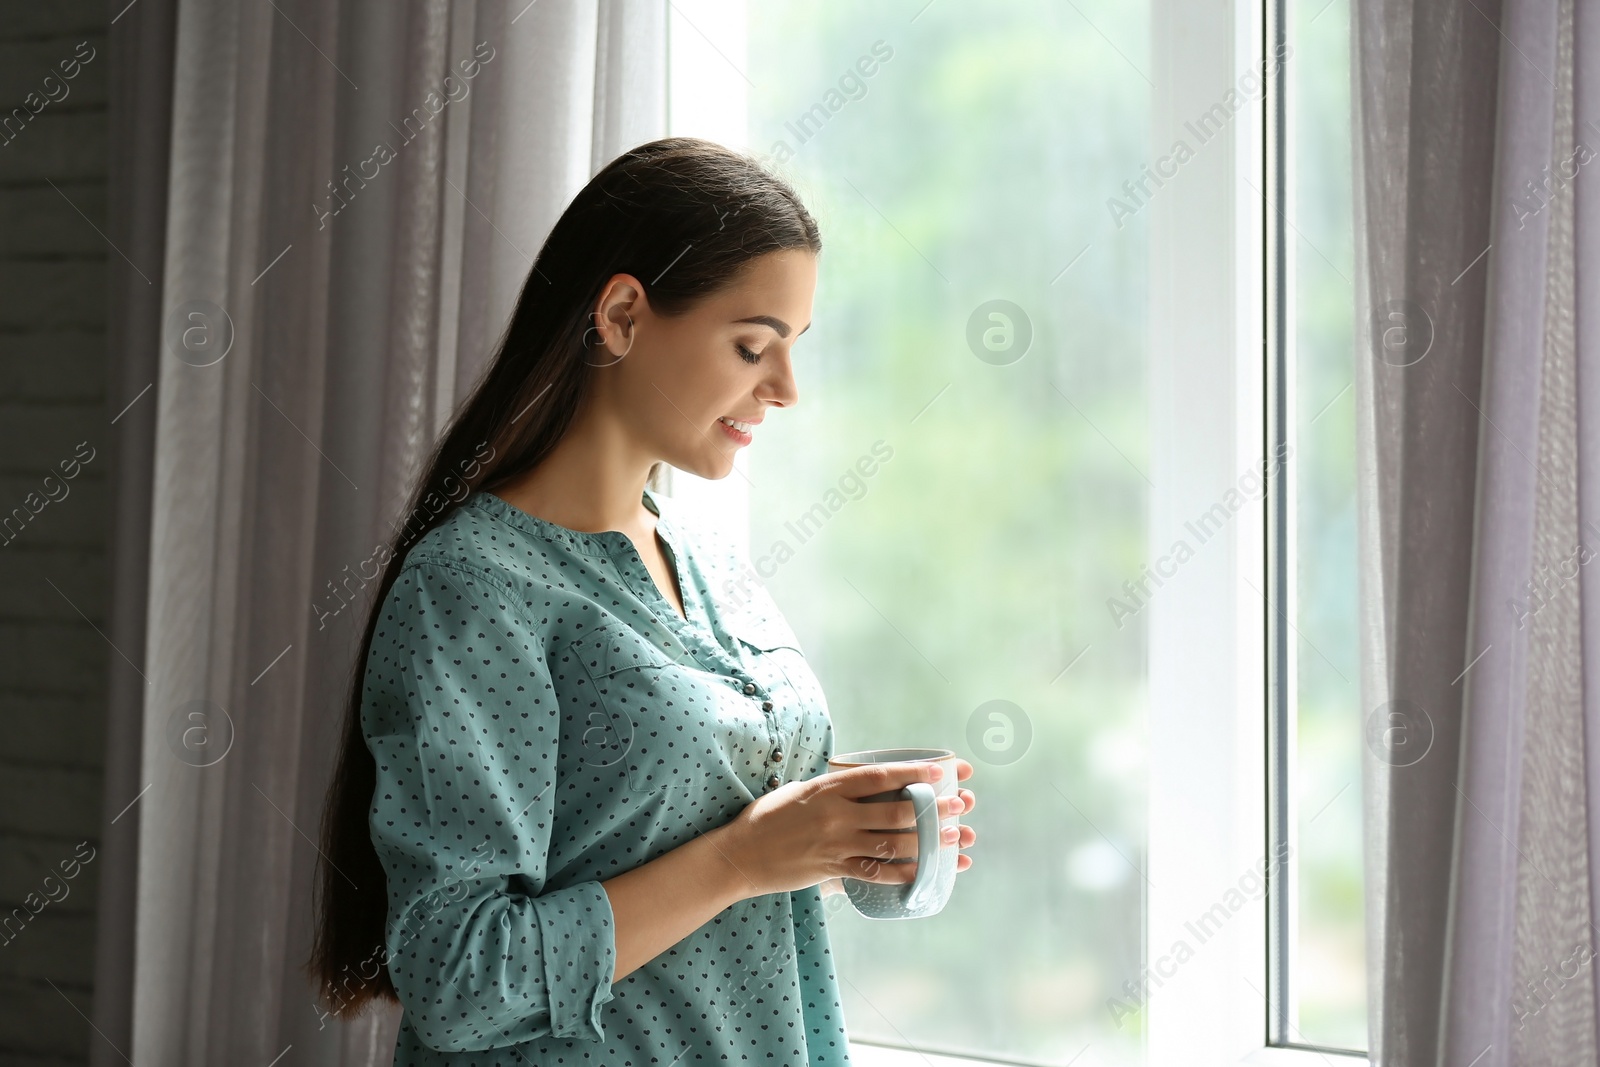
(928,892)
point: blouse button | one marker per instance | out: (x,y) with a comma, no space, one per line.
(749,687)
(766,705)
(777,754)
(772,783)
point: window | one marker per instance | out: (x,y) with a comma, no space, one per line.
(1036,370)
(1322,986)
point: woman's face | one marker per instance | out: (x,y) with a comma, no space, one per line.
(682,377)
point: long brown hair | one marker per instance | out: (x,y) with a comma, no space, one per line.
(682,215)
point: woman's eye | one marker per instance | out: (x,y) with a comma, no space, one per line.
(747,355)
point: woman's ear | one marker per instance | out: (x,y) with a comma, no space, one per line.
(611,332)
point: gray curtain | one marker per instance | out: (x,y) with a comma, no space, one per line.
(301,313)
(1479,505)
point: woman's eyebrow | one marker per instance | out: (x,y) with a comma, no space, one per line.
(776,323)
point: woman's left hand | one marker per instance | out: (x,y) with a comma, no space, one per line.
(961,803)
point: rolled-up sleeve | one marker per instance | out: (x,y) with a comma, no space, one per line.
(461,718)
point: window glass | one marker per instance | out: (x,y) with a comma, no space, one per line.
(954,515)
(1328,960)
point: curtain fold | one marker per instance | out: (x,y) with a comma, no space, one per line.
(352,196)
(1479,467)
(1583,257)
(1424,142)
(141,51)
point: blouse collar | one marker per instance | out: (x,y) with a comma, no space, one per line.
(602,543)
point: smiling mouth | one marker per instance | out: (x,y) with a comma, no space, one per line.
(736,431)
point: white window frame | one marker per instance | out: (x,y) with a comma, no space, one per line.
(1207,665)
(1207,637)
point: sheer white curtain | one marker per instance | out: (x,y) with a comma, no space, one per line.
(1480,511)
(328,208)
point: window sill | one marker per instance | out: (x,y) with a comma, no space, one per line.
(867,1054)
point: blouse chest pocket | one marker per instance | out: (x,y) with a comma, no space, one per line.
(804,710)
(643,711)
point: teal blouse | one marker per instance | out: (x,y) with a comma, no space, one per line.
(542,720)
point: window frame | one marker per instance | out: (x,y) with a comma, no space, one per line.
(1280,687)
(1221,699)
(1220,734)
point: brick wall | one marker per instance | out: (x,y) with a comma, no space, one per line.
(53,581)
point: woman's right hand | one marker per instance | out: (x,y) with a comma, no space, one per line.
(808,831)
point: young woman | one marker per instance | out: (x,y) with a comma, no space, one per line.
(581,813)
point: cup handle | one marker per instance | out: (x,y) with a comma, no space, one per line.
(924,802)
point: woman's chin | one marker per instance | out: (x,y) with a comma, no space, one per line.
(702,466)
(721,469)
